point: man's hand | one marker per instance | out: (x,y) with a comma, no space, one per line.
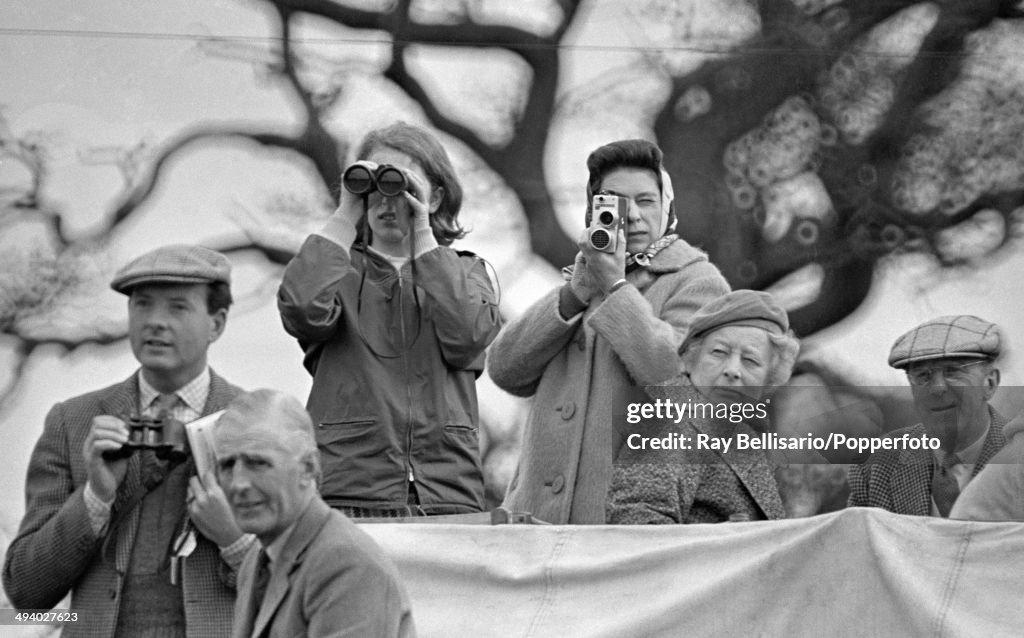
(208,507)
(107,433)
(604,268)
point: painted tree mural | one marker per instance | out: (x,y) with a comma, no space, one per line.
(825,137)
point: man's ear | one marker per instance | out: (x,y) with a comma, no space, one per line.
(310,468)
(436,197)
(991,383)
(220,320)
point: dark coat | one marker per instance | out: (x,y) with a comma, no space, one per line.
(394,373)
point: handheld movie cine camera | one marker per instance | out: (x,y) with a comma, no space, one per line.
(608,215)
(362,180)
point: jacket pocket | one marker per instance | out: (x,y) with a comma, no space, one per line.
(462,443)
(350,437)
(461,430)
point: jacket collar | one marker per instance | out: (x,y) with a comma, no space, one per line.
(751,466)
(675,256)
(310,522)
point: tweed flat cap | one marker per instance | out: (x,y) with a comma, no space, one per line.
(175,264)
(963,336)
(739,308)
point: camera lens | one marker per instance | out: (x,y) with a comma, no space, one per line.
(390,181)
(606,218)
(357,179)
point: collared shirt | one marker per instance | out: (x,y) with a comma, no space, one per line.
(191,397)
(276,546)
(191,401)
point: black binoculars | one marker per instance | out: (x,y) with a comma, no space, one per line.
(166,437)
(362,180)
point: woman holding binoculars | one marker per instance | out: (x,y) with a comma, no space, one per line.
(394,323)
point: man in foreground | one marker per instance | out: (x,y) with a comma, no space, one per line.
(315,573)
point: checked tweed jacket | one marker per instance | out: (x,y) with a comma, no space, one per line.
(901,480)
(56,550)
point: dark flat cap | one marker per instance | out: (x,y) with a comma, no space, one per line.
(959,336)
(753,308)
(175,264)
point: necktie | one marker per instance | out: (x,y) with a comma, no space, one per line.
(259,585)
(945,487)
(164,404)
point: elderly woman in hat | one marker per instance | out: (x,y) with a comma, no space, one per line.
(738,351)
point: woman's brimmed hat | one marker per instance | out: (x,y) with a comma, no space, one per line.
(753,308)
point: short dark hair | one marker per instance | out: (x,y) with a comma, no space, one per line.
(218,296)
(425,148)
(634,153)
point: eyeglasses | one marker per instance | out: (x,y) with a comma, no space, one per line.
(952,373)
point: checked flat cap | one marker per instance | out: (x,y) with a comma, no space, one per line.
(175,264)
(963,336)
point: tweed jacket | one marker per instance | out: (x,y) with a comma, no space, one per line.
(330,579)
(574,369)
(901,480)
(56,551)
(694,485)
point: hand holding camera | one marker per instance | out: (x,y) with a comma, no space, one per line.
(581,284)
(604,241)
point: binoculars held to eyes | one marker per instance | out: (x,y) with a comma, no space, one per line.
(165,436)
(362,180)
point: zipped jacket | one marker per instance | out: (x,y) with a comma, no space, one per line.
(394,356)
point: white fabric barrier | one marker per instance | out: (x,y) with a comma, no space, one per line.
(857,572)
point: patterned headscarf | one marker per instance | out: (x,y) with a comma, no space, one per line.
(666,234)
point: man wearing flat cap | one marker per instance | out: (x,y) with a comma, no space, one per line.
(145,547)
(951,365)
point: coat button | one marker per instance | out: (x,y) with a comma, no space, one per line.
(557,483)
(568,410)
(113,593)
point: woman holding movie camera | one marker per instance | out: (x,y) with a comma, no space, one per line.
(618,321)
(740,349)
(394,324)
